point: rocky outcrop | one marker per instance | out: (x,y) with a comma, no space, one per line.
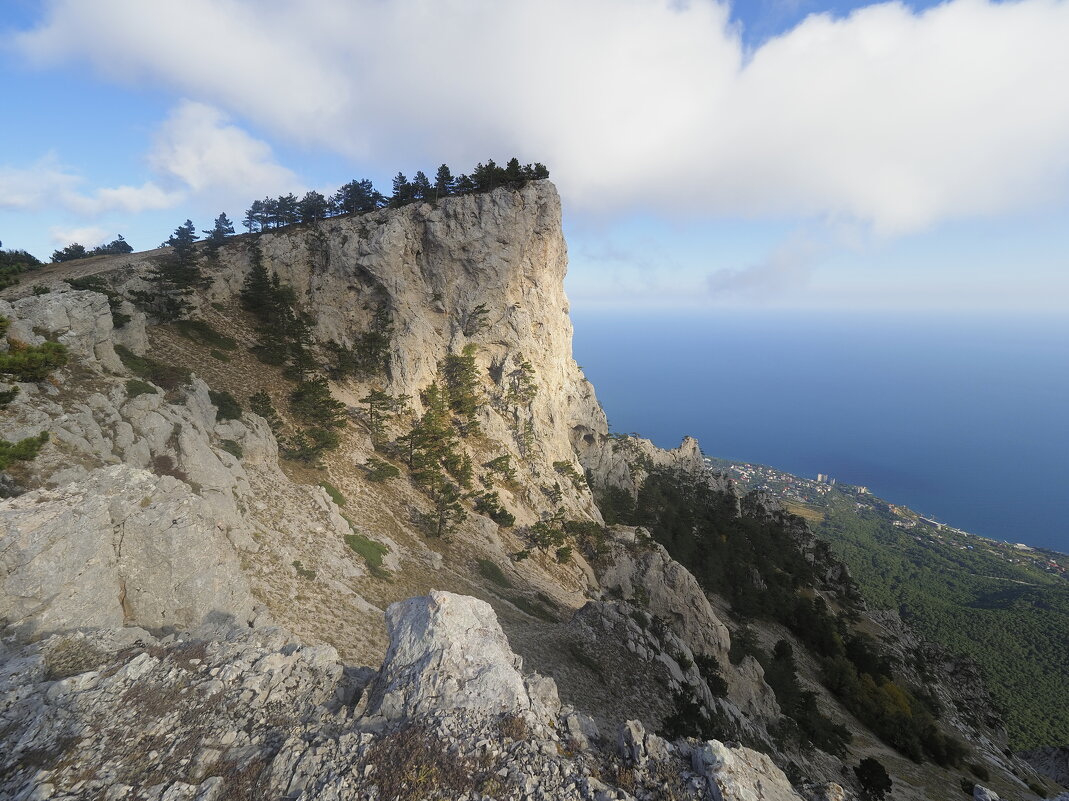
(447,652)
(224,713)
(122,547)
(1052,762)
(144,504)
(739,774)
(666,590)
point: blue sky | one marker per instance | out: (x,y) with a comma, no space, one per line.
(774,153)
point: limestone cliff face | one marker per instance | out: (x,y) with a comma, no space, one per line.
(484,269)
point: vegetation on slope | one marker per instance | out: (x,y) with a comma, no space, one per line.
(1011,618)
(754,559)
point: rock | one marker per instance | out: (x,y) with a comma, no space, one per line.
(740,774)
(1051,761)
(980,793)
(447,652)
(122,547)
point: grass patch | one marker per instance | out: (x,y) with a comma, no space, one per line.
(333,492)
(808,512)
(167,376)
(372,552)
(491,571)
(219,355)
(231,447)
(199,331)
(135,387)
(302,571)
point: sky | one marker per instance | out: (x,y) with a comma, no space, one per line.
(801,154)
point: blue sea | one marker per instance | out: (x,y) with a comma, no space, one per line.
(964,418)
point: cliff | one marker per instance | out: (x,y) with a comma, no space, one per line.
(165,555)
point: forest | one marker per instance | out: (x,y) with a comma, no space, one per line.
(1012,619)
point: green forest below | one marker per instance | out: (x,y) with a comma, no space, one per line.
(1012,619)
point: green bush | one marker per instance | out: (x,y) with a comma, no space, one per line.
(32,362)
(8,395)
(308,444)
(231,447)
(312,403)
(199,331)
(226,405)
(218,355)
(333,492)
(135,387)
(380,470)
(371,551)
(22,451)
(490,570)
(167,376)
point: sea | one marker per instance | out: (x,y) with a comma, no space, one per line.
(961,417)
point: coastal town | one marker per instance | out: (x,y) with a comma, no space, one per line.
(808,497)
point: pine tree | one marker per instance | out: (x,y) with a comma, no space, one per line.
(421,187)
(221,230)
(256,290)
(404,191)
(462,380)
(313,206)
(443,182)
(177,275)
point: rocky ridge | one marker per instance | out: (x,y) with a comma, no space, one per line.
(202,542)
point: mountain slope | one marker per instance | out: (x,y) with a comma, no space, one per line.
(202,478)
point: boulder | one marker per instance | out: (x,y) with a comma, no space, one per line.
(734,773)
(448,652)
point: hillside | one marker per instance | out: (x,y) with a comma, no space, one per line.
(304,526)
(1004,606)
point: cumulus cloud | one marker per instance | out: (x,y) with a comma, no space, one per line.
(90,236)
(196,152)
(198,147)
(34,187)
(895,118)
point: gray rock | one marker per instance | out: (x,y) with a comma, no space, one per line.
(123,547)
(448,652)
(740,774)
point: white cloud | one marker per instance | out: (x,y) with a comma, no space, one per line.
(90,236)
(34,187)
(200,149)
(784,271)
(890,117)
(196,152)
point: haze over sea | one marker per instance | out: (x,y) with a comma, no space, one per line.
(961,417)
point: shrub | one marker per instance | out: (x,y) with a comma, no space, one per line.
(32,362)
(167,376)
(873,778)
(227,406)
(135,387)
(490,570)
(201,332)
(8,395)
(164,465)
(380,470)
(311,402)
(307,444)
(260,403)
(371,551)
(22,451)
(231,447)
(219,355)
(333,492)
